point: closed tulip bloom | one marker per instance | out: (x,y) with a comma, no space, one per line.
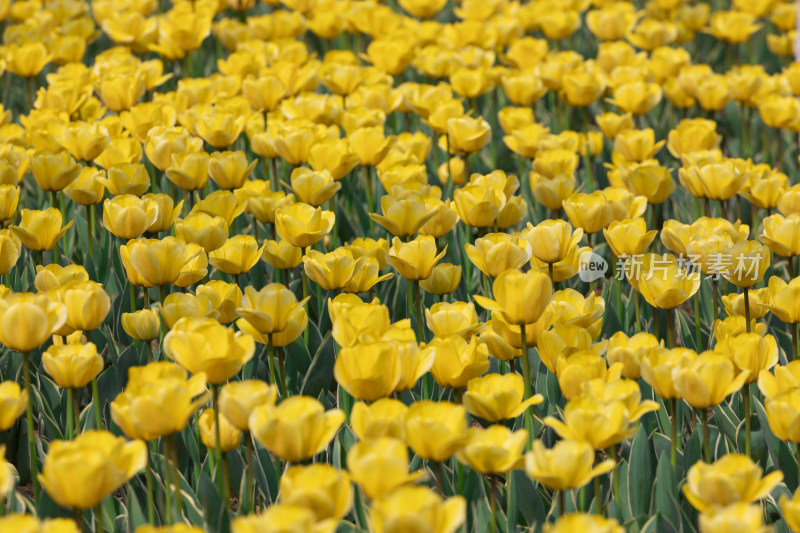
(586,523)
(589,211)
(321,488)
(281,254)
(264,93)
(331,271)
(27,320)
(229,170)
(403,217)
(158,400)
(53,172)
(736,518)
(230,437)
(128,216)
(706,381)
(444,279)
(580,367)
(519,298)
(422,9)
(523,87)
(370,145)
(195,268)
(158,261)
(86,189)
(715,181)
(198,227)
(467,135)
(263,206)
(280,518)
(663,283)
(783,413)
(40,230)
(386,455)
(749,263)
(296,429)
(143,325)
(498,252)
(368,370)
(496,397)
(302,225)
(365,276)
(237,256)
(599,423)
(188,170)
(551,240)
(9,200)
(731,479)
(478,205)
(759,301)
(567,465)
(494,450)
(552,192)
(218,127)
(269,309)
(87,304)
(238,399)
(637,97)
(204,345)
(83,140)
(782,235)
(785,299)
(791,511)
(167,211)
(630,351)
(312,187)
(13,402)
(126,178)
(457,318)
(436,430)
(26,60)
(333,155)
(80,473)
(55,276)
(419,506)
(414,260)
(629,237)
(458,361)
(225,297)
(751,352)
(10,250)
(383,418)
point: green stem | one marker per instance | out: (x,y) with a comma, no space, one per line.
(746,393)
(674,437)
(98,419)
(370,196)
(98,518)
(226,479)
(76,409)
(714,290)
(706,444)
(793,355)
(282,373)
(133,297)
(561,503)
(697,331)
(247,501)
(89,230)
(271,350)
(54,203)
(167,485)
(70,416)
(637,310)
(151,513)
(305,292)
(418,302)
(601,504)
(493,504)
(671,327)
(615,476)
(437,471)
(29,422)
(526,382)
(173,451)
(218,450)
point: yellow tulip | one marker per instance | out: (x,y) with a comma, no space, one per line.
(494,450)
(749,263)
(13,402)
(10,250)
(498,252)
(629,237)
(444,279)
(198,227)
(414,260)
(370,145)
(496,397)
(53,172)
(382,418)
(83,140)
(229,170)
(333,155)
(436,430)
(403,217)
(734,518)
(733,478)
(280,518)
(783,412)
(296,429)
(230,437)
(269,309)
(706,381)
(27,320)
(86,189)
(237,256)
(589,211)
(188,170)
(384,454)
(80,473)
(158,400)
(786,377)
(128,216)
(600,423)
(457,318)
(238,399)
(519,298)
(631,351)
(458,361)
(791,511)
(368,370)
(155,261)
(143,325)
(551,240)
(567,465)
(27,60)
(332,271)
(72,365)
(663,283)
(281,254)
(467,135)
(420,506)
(320,488)
(302,225)
(40,230)
(55,276)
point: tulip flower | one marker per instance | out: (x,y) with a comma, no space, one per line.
(327,492)
(72,366)
(444,279)
(584,522)
(458,318)
(126,178)
(40,230)
(302,225)
(80,473)
(10,250)
(237,255)
(567,465)
(369,370)
(313,187)
(436,430)
(736,517)
(551,240)
(230,437)
(382,418)
(458,361)
(791,511)
(198,227)
(14,401)
(332,271)
(296,429)
(494,450)
(783,409)
(731,479)
(281,517)
(496,397)
(498,252)
(281,254)
(238,399)
(188,170)
(54,172)
(229,170)
(403,217)
(390,457)
(418,505)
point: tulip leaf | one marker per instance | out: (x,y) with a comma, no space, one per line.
(265,474)
(726,420)
(640,473)
(215,511)
(693,451)
(665,496)
(320,372)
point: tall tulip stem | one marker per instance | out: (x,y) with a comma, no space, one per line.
(493,502)
(746,393)
(249,495)
(305,292)
(747,310)
(706,444)
(98,419)
(697,330)
(151,512)
(714,291)
(370,196)
(88,212)
(418,303)
(221,471)
(54,203)
(98,518)
(271,350)
(637,310)
(671,316)
(673,404)
(29,423)
(282,373)
(526,381)
(794,342)
(70,417)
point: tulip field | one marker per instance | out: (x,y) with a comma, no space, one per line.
(399,266)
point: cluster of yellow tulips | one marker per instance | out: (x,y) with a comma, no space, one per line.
(316,266)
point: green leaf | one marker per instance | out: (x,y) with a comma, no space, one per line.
(665,496)
(320,372)
(640,473)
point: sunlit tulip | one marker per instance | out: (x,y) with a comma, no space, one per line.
(707,380)
(496,397)
(382,418)
(551,240)
(629,237)
(27,320)
(40,230)
(158,400)
(198,227)
(403,217)
(230,437)
(143,325)
(158,262)
(80,473)
(414,260)
(87,304)
(13,401)
(188,170)
(268,310)
(54,172)
(467,135)
(715,181)
(302,225)
(421,506)
(203,345)
(86,189)
(435,431)
(237,256)
(238,399)
(368,370)
(567,465)
(783,411)
(738,517)
(601,424)
(296,429)
(456,318)
(663,283)
(733,478)
(313,187)
(10,250)
(444,279)
(229,170)
(27,59)
(494,450)
(333,155)
(519,298)
(128,216)
(590,212)
(320,488)
(498,252)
